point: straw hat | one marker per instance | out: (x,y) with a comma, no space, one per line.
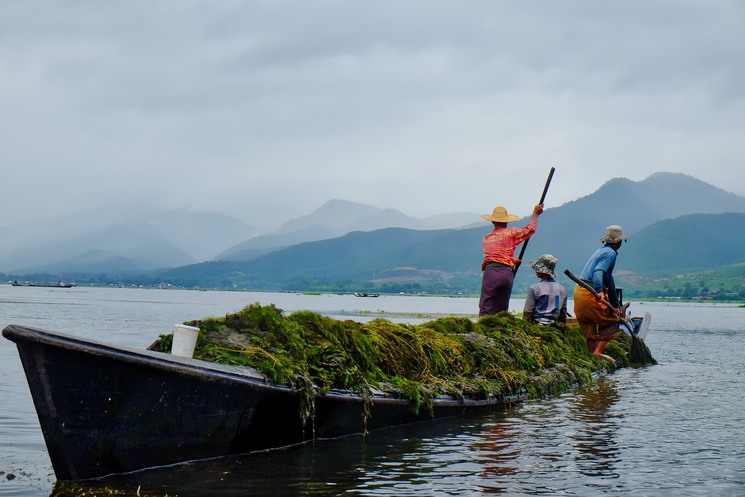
(499,215)
(545,264)
(613,234)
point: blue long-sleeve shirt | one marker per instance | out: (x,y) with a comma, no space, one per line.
(599,271)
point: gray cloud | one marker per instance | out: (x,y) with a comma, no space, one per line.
(265,110)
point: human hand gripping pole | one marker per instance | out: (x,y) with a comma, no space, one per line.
(587,287)
(639,355)
(598,295)
(543,197)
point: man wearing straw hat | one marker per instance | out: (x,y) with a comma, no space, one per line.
(500,264)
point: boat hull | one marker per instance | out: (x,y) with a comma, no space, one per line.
(105,409)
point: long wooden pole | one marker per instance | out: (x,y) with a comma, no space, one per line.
(586,287)
(543,197)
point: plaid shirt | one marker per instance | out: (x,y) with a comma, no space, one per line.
(500,243)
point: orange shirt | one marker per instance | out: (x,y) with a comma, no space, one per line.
(500,243)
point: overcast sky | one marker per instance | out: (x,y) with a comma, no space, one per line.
(265,110)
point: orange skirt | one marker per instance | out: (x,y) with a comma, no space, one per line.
(602,319)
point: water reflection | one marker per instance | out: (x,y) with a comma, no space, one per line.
(549,446)
(667,430)
(420,459)
(498,449)
(553,444)
(596,451)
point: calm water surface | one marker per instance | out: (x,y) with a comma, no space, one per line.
(671,429)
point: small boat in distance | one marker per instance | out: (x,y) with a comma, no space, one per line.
(46,284)
(365,294)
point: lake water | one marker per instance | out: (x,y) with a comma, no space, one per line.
(671,429)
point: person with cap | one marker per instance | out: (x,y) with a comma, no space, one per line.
(599,317)
(546,302)
(500,264)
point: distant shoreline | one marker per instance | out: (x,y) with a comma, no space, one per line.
(741,302)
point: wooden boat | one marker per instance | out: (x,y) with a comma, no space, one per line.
(58,284)
(365,294)
(105,409)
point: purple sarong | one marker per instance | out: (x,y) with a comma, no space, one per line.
(496,289)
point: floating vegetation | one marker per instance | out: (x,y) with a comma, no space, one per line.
(72,489)
(496,356)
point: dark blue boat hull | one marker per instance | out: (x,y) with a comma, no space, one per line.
(105,409)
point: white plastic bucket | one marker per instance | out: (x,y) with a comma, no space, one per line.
(184,340)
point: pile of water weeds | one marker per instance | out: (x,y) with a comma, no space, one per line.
(496,356)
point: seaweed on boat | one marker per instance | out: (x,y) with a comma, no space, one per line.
(496,356)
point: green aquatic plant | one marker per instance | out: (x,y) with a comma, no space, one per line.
(495,357)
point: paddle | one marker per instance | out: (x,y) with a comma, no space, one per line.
(543,197)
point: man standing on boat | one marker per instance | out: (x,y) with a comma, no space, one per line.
(599,317)
(546,302)
(500,264)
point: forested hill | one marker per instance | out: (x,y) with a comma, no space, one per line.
(678,227)
(448,261)
(696,241)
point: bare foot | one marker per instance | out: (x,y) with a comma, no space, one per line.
(606,357)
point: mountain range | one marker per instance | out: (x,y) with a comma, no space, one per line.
(336,218)
(674,222)
(143,237)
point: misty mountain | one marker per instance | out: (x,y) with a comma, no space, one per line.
(148,236)
(638,204)
(95,261)
(648,210)
(397,256)
(633,205)
(571,232)
(336,218)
